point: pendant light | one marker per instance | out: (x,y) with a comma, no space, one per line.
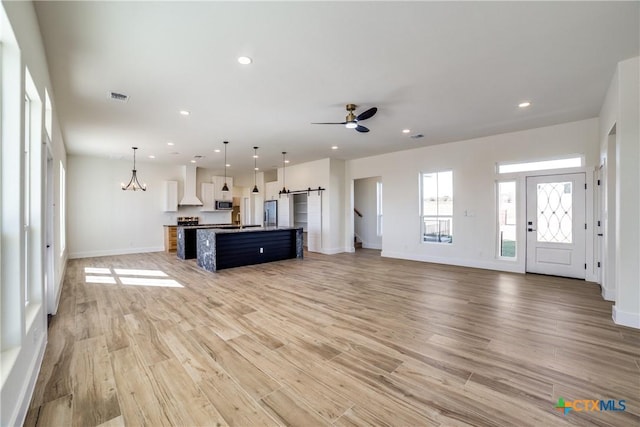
(134,184)
(284,167)
(225,187)
(255,170)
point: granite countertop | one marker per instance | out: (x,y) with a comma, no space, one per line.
(201,225)
(220,226)
(247,229)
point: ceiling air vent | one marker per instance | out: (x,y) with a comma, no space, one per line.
(118,96)
(417,136)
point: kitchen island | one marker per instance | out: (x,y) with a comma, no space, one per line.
(225,248)
(186,239)
(171,235)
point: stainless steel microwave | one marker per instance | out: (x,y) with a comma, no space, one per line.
(224,204)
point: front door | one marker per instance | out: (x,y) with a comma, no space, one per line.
(556,235)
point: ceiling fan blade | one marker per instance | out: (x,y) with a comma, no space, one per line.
(362,129)
(341,123)
(367,114)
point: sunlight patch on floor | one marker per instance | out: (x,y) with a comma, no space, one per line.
(122,276)
(100,279)
(141,281)
(97,270)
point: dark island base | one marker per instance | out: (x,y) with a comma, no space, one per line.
(187,242)
(218,249)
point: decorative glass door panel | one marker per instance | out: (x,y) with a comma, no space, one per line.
(555,215)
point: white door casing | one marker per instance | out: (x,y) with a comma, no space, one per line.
(556,234)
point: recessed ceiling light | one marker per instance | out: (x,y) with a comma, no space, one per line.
(151,156)
(286,161)
(193,161)
(184,112)
(245,60)
(217,150)
(170,143)
(228,165)
(335,147)
(524,104)
(406,130)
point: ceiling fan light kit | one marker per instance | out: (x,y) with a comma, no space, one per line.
(351,121)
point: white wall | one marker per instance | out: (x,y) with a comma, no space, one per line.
(365,201)
(622,258)
(607,138)
(473,163)
(104,220)
(23,335)
(330,175)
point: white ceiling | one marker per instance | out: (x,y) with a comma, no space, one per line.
(447,70)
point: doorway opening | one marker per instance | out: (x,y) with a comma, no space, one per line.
(368,215)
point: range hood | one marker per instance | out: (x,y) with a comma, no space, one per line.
(189,198)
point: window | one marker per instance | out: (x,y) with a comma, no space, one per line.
(507,219)
(437,207)
(31,190)
(26,175)
(379,208)
(63,220)
(572,162)
(48,114)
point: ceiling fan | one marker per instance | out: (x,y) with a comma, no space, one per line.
(352,120)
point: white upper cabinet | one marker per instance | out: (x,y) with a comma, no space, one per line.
(170,200)
(271,190)
(208,196)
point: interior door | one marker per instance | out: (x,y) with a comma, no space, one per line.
(314,221)
(556,235)
(49,279)
(599,223)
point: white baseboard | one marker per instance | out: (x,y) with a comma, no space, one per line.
(377,246)
(24,398)
(625,318)
(487,265)
(608,294)
(60,284)
(333,251)
(110,252)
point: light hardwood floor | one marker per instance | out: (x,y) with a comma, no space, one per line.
(345,340)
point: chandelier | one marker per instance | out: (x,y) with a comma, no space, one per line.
(134,184)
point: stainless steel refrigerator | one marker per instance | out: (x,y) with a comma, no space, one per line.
(270,213)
